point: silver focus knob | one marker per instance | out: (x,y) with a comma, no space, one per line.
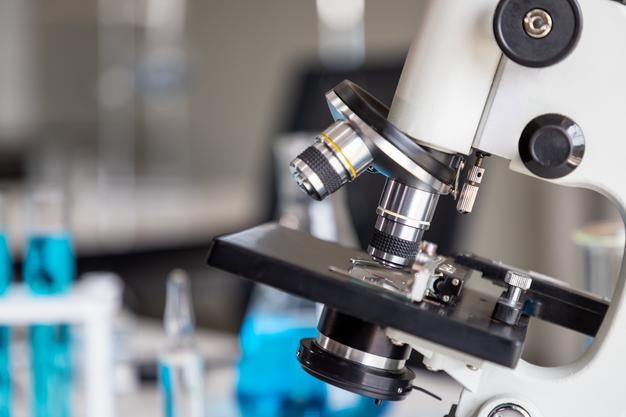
(467,198)
(517,280)
(509,306)
(468,195)
(538,23)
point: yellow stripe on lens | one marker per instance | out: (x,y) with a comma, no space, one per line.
(338,149)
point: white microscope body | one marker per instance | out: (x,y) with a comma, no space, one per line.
(460,93)
(541,83)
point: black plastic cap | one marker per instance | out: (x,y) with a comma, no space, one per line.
(519,46)
(507,313)
(552,146)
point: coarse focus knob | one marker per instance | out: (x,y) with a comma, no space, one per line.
(552,146)
(537,33)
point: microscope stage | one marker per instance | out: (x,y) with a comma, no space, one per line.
(299,264)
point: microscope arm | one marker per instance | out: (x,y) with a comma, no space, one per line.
(532,86)
(589,88)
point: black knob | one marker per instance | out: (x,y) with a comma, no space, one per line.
(552,146)
(537,33)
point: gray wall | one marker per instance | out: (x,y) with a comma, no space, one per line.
(242,54)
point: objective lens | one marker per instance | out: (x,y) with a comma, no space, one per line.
(338,156)
(404,214)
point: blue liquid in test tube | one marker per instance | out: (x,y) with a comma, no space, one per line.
(5,332)
(49,264)
(49,269)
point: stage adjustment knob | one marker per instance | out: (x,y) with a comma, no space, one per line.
(552,146)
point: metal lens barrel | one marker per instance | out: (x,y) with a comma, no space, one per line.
(404,214)
(338,156)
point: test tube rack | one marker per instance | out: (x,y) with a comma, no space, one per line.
(91,304)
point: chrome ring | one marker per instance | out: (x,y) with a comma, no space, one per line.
(358,356)
(420,224)
(340,110)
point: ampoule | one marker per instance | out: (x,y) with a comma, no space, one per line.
(181,366)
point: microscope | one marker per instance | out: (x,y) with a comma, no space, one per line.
(540,83)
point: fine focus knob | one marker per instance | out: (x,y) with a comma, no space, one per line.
(552,146)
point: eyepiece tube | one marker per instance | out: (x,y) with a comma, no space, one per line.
(338,156)
(404,214)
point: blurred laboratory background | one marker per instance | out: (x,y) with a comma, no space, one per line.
(163,123)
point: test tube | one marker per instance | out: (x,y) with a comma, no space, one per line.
(49,269)
(6,269)
(6,275)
